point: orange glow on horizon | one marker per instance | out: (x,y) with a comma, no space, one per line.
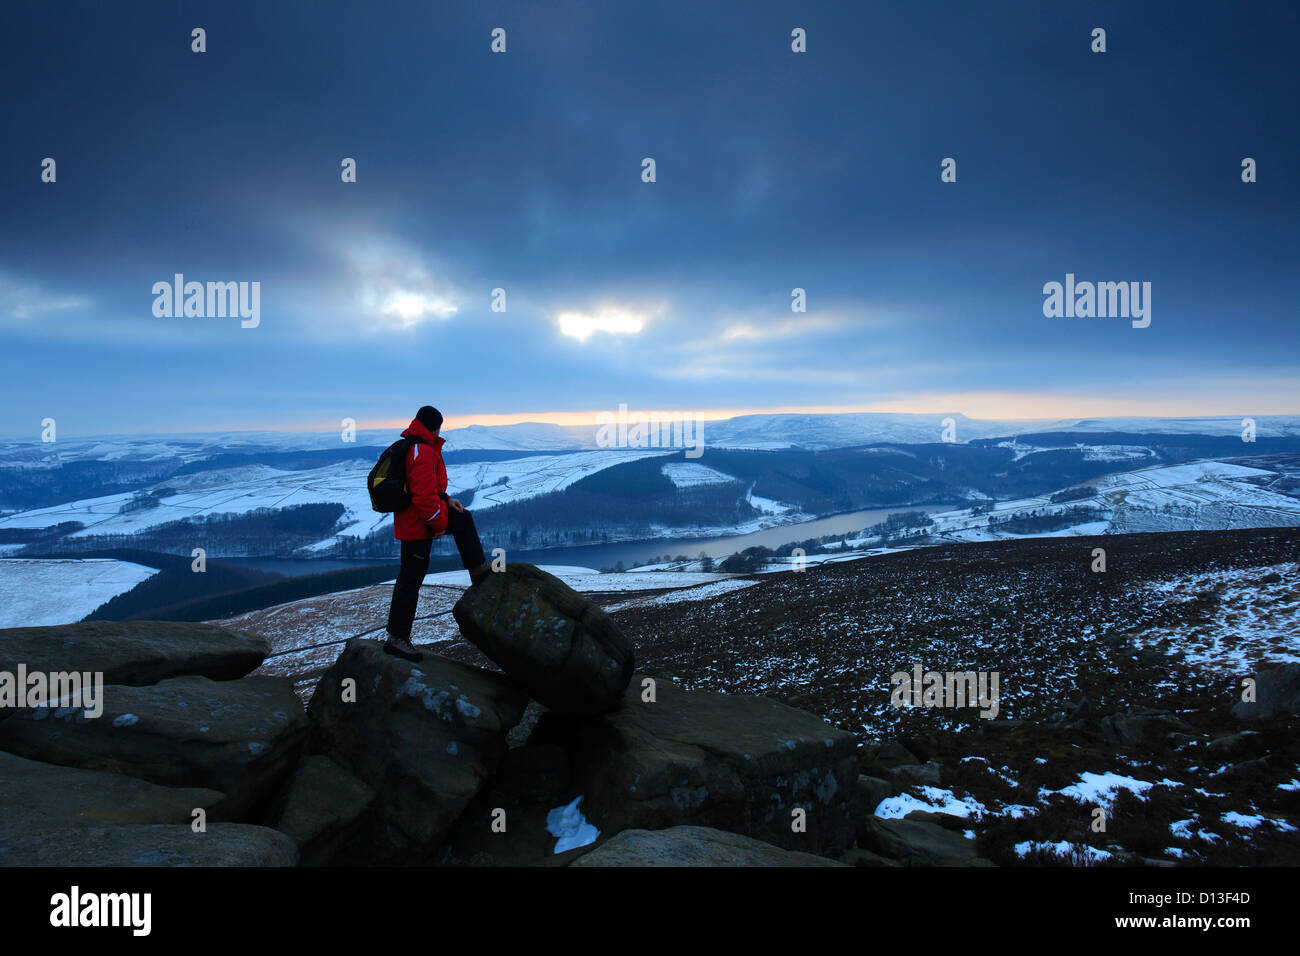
(1010,406)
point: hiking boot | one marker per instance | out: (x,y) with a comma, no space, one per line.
(476,575)
(402,647)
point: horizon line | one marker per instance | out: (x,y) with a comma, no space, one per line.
(591,418)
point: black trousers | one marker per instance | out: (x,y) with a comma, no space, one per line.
(415,565)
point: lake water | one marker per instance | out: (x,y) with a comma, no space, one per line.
(631,553)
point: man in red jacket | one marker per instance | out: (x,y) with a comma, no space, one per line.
(431,514)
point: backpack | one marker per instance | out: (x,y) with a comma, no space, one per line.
(387,480)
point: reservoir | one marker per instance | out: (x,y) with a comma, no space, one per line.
(631,553)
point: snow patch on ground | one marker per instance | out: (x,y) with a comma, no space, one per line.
(688,474)
(769,506)
(1246,624)
(1080,852)
(936,800)
(1101,788)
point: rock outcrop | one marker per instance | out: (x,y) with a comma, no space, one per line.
(37,796)
(134,652)
(745,764)
(324,809)
(872,790)
(1277,692)
(917,843)
(929,772)
(562,649)
(221,844)
(397,762)
(1141,727)
(241,737)
(424,736)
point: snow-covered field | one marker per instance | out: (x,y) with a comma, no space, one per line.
(685,474)
(1119,453)
(35,593)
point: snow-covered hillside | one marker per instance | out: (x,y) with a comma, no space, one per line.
(38,593)
(1196,496)
(810,431)
(244,489)
(1102,689)
(1266,426)
(820,432)
(133,485)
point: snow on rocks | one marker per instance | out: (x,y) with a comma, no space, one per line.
(570,827)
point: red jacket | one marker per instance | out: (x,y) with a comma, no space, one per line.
(426,477)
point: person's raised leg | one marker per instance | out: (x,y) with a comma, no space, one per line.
(461,526)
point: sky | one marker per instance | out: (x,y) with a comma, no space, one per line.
(522,171)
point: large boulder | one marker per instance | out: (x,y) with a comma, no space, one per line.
(323,807)
(1235,746)
(730,761)
(693,846)
(872,790)
(134,652)
(1277,692)
(221,844)
(918,843)
(1141,728)
(562,649)
(35,797)
(241,737)
(424,736)
(929,772)
(889,755)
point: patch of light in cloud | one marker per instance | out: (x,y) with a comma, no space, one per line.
(24,300)
(766,328)
(410,307)
(393,284)
(615,321)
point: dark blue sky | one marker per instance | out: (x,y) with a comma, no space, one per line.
(523,171)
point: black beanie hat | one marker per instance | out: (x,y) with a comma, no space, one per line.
(429,417)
